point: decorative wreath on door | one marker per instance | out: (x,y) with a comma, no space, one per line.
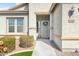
(45,23)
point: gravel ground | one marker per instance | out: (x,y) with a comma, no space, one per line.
(70,53)
(59,53)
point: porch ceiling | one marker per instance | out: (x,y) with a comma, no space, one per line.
(42,17)
(41,13)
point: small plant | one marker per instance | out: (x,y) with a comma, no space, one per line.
(1,43)
(26,41)
(5,49)
(2,47)
(8,43)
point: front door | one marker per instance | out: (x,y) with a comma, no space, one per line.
(44,31)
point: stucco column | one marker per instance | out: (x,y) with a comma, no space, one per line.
(51,26)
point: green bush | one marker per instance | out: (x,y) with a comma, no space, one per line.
(26,41)
(9,42)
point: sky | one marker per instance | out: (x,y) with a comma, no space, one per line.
(4,6)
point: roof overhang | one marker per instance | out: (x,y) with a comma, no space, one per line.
(52,7)
(18,6)
(14,11)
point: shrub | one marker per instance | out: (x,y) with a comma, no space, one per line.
(9,43)
(26,41)
(1,43)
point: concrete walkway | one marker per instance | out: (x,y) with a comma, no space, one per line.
(47,41)
(43,49)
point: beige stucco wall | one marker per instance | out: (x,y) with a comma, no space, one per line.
(70,31)
(56,25)
(33,9)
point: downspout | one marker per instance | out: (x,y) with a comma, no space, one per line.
(28,26)
(28,23)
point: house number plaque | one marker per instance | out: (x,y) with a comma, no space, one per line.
(71,15)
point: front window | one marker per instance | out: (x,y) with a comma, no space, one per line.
(11,25)
(19,25)
(15,24)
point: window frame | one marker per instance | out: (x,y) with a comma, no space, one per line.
(20,25)
(15,24)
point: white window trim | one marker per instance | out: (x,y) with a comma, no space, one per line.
(15,27)
(15,30)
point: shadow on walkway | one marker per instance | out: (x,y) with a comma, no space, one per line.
(51,43)
(55,45)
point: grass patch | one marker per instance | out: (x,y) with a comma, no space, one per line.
(28,53)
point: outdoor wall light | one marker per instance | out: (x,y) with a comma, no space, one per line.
(70,13)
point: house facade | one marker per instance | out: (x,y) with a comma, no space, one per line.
(23,20)
(64,22)
(56,22)
(14,21)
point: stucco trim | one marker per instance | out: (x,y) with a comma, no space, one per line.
(11,11)
(70,38)
(14,35)
(57,36)
(52,7)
